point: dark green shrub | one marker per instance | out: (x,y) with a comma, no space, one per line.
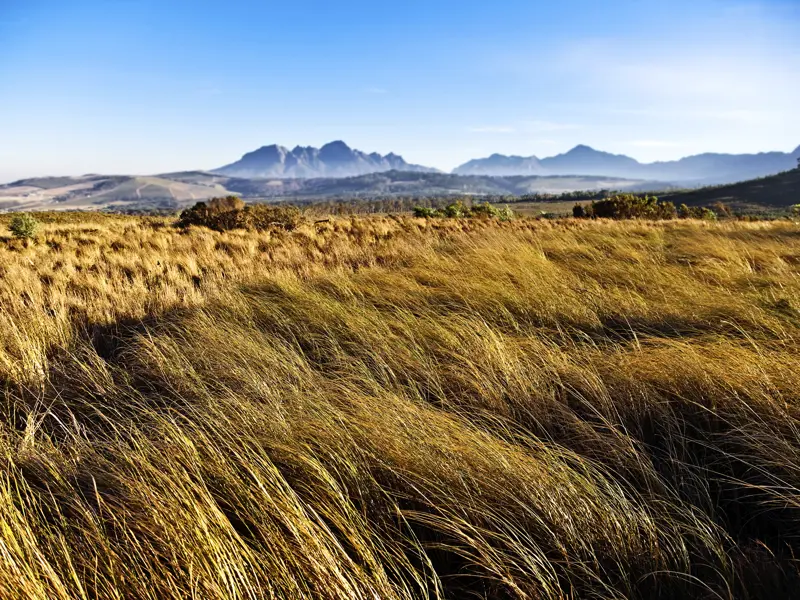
(23,226)
(696,212)
(484,211)
(578,211)
(666,210)
(224,214)
(631,206)
(425,212)
(505,213)
(456,210)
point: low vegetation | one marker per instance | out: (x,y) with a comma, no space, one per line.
(230,212)
(400,408)
(461,210)
(633,206)
(23,226)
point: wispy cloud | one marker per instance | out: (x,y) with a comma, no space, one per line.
(752,81)
(546,126)
(526,127)
(376,90)
(492,129)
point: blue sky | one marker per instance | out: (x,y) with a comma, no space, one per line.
(146,86)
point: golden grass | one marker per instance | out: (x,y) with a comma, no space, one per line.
(400,408)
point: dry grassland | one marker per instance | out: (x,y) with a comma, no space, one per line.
(397,408)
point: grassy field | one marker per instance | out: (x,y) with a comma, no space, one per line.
(397,408)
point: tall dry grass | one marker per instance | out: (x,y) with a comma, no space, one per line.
(400,408)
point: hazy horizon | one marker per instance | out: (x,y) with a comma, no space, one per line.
(136,87)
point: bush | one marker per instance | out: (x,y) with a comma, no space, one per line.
(265,216)
(200,214)
(224,214)
(23,226)
(485,211)
(456,210)
(578,211)
(722,209)
(696,212)
(631,206)
(505,213)
(425,212)
(706,214)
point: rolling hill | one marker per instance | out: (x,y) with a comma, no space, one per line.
(397,183)
(776,191)
(103,192)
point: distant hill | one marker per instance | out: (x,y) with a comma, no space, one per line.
(178,190)
(588,161)
(335,159)
(776,191)
(500,165)
(403,183)
(99,191)
(701,169)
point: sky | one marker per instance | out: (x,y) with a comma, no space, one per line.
(149,86)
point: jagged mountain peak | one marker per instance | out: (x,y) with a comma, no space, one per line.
(336,147)
(271,149)
(582,149)
(334,159)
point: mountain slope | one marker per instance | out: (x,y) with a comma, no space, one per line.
(96,191)
(500,165)
(403,183)
(335,159)
(701,169)
(583,160)
(779,191)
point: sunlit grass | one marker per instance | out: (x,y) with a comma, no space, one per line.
(400,408)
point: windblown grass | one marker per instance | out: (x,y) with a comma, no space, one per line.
(400,408)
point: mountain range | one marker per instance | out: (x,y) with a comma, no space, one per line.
(337,171)
(335,159)
(700,169)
